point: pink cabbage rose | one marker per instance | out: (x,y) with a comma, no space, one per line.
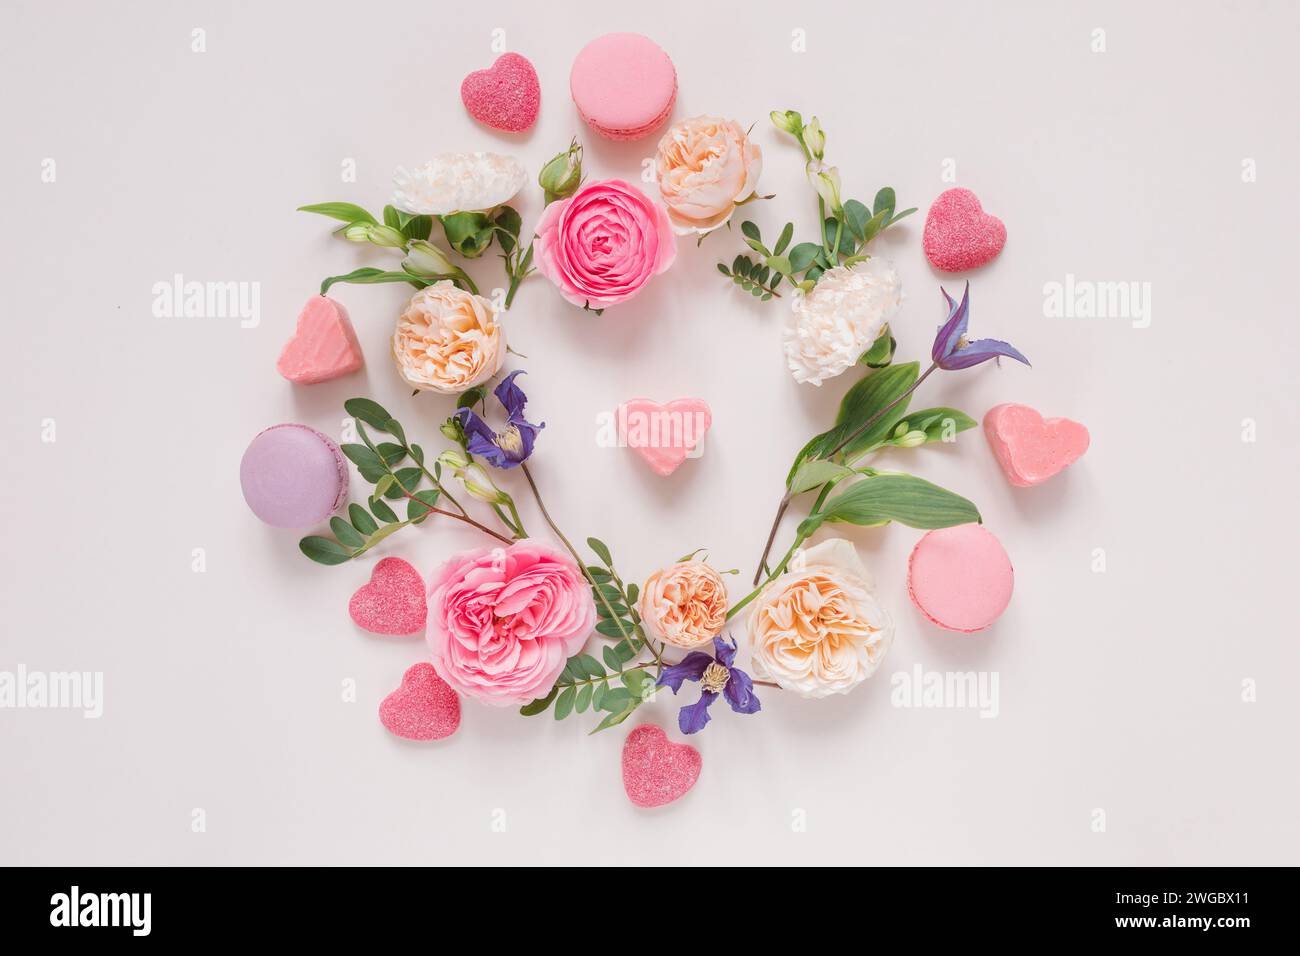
(503,621)
(603,243)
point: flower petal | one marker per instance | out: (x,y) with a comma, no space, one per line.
(692,718)
(691,667)
(511,396)
(740,693)
(725,653)
(981,350)
(955,326)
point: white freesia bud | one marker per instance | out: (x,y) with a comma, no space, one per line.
(815,138)
(479,484)
(425,259)
(910,440)
(787,121)
(357,232)
(453,461)
(387,236)
(826,181)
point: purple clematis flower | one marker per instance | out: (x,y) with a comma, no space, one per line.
(717,675)
(511,445)
(952,350)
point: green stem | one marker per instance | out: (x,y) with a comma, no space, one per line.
(882,413)
(450,514)
(518,273)
(785,500)
(776,572)
(518,522)
(839,234)
(582,565)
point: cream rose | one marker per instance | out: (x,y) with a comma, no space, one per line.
(705,165)
(831,326)
(684,605)
(448,340)
(818,629)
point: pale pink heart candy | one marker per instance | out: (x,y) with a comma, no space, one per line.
(1029,448)
(423,708)
(657,771)
(393,602)
(663,434)
(324,346)
(959,234)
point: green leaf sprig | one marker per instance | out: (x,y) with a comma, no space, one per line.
(846,231)
(585,683)
(397,470)
(399,230)
(873,415)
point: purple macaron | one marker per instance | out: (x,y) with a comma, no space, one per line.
(293,476)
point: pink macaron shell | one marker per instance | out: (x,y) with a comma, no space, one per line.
(293,476)
(624,85)
(960,578)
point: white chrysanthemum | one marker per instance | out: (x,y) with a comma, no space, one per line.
(831,326)
(458,182)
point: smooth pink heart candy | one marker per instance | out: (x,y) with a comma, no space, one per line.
(324,344)
(1029,448)
(657,771)
(393,602)
(505,96)
(423,708)
(663,434)
(959,234)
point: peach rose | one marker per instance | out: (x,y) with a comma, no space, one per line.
(448,340)
(706,165)
(817,629)
(684,605)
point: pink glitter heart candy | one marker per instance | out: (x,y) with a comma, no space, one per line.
(423,708)
(959,234)
(657,771)
(505,96)
(393,602)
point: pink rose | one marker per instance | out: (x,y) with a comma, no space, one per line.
(603,243)
(503,621)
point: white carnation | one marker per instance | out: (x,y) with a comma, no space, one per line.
(458,182)
(831,326)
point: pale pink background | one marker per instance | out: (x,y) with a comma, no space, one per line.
(1119,691)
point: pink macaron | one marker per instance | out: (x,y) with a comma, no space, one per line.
(624,85)
(960,577)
